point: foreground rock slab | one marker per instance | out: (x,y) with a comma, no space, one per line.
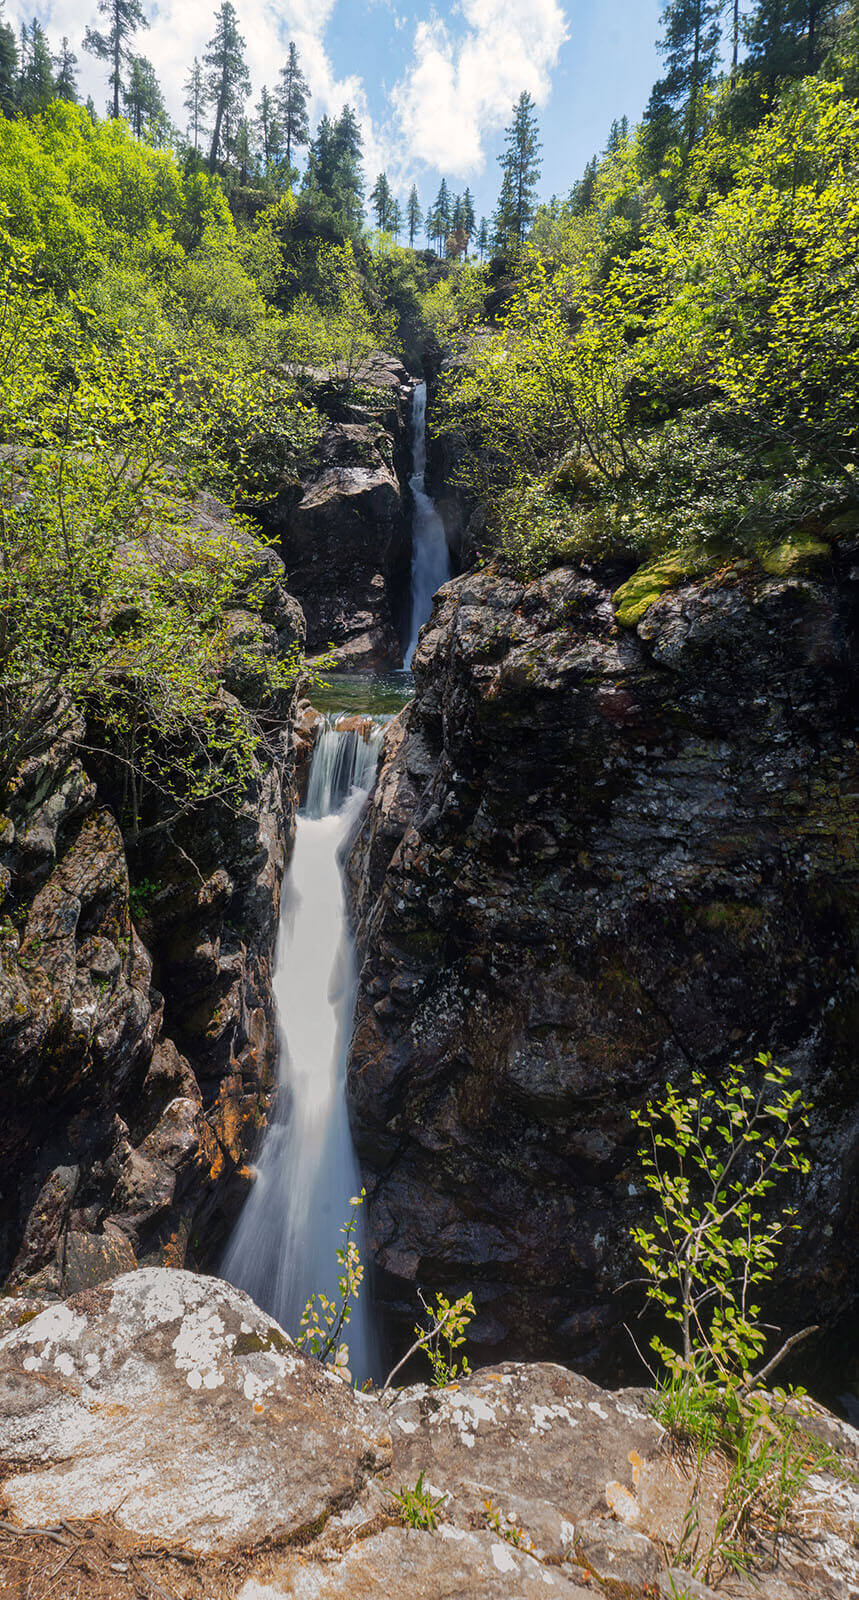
(172,1403)
(160,1435)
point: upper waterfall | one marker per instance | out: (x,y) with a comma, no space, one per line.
(430,554)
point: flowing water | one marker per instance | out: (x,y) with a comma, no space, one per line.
(284,1245)
(430,554)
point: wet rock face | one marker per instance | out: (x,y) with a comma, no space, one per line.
(595,860)
(137,1043)
(346,539)
(169,1405)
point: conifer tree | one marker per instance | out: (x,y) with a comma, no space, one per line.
(439,217)
(292,101)
(268,128)
(242,150)
(618,135)
(36,85)
(8,66)
(194,102)
(582,192)
(414,215)
(784,36)
(227,79)
(520,166)
(395,219)
(143,101)
(90,110)
(690,44)
(469,221)
(334,165)
(124,18)
(483,238)
(381,201)
(65,80)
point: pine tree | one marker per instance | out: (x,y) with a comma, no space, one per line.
(784,36)
(582,192)
(292,101)
(8,66)
(36,86)
(194,102)
(469,221)
(414,215)
(618,135)
(395,219)
(124,18)
(227,79)
(483,238)
(65,81)
(381,201)
(268,128)
(520,165)
(690,45)
(242,150)
(439,217)
(90,110)
(334,165)
(143,101)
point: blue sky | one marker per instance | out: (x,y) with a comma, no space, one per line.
(433,85)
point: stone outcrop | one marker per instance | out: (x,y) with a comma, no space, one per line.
(598,858)
(346,536)
(171,1439)
(137,1039)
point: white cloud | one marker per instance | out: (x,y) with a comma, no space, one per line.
(459,88)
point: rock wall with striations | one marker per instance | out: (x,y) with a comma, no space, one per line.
(137,1044)
(597,859)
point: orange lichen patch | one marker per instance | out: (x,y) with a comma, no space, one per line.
(636,1463)
(622,1504)
(174,1251)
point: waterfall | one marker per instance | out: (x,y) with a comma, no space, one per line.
(430,555)
(284,1245)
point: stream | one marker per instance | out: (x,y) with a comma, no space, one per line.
(284,1246)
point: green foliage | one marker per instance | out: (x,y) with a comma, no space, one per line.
(710,1159)
(702,363)
(444,1333)
(418,1507)
(323,1319)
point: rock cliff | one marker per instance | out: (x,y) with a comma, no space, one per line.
(161,1435)
(598,858)
(136,1013)
(345,536)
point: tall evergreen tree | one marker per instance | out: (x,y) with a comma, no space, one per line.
(143,101)
(381,201)
(690,44)
(440,217)
(395,219)
(784,37)
(242,149)
(124,18)
(582,192)
(292,102)
(227,79)
(469,221)
(334,165)
(520,166)
(268,128)
(413,215)
(194,101)
(36,87)
(8,66)
(65,78)
(483,238)
(618,135)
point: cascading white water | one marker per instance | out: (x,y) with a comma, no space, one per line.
(430,554)
(284,1246)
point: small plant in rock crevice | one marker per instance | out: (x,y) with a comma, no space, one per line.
(323,1319)
(418,1507)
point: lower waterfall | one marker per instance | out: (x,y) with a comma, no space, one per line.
(284,1246)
